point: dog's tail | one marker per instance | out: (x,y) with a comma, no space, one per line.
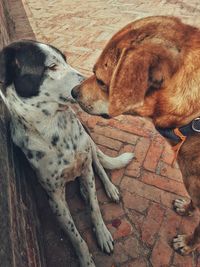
(111,163)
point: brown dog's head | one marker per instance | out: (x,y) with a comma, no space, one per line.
(135,70)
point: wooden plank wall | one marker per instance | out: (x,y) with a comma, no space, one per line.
(20,230)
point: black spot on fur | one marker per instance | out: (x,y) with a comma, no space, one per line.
(62,122)
(65,161)
(62,98)
(30,155)
(26,139)
(39,155)
(54,140)
(47,94)
(46,112)
(60,155)
(74,146)
(67,146)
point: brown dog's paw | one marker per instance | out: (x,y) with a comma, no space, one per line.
(182,207)
(180,245)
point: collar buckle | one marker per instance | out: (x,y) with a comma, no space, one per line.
(196,125)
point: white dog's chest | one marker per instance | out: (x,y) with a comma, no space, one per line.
(60,157)
(75,169)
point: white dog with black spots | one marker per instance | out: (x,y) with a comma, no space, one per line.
(36,88)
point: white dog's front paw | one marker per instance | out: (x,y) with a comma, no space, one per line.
(112,192)
(104,239)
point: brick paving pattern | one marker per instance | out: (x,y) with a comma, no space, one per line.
(143,224)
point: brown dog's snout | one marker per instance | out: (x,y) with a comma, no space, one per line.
(76,92)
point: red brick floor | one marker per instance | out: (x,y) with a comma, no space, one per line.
(144,223)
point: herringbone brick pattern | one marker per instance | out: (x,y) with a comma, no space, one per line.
(144,223)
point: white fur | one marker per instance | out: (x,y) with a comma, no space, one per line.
(114,163)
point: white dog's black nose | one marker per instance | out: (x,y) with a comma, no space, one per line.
(75,92)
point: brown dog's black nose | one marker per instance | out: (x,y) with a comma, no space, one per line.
(75,92)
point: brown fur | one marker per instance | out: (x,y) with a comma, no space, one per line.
(152,68)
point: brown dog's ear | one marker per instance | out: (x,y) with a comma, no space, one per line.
(129,81)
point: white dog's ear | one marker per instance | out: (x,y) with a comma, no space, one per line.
(22,64)
(7,65)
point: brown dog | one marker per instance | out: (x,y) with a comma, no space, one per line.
(151,68)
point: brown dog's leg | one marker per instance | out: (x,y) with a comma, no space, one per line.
(183,207)
(185,244)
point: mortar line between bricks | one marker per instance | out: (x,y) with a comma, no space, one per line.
(161,189)
(136,231)
(160,166)
(164,176)
(171,179)
(158,160)
(150,248)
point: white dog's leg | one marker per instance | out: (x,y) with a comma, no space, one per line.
(99,159)
(111,190)
(61,209)
(104,237)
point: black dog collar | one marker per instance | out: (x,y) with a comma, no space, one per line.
(186,130)
(179,135)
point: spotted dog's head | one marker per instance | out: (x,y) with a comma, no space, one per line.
(34,75)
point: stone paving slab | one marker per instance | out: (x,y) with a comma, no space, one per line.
(144,223)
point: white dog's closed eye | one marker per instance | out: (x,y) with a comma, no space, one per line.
(52,67)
